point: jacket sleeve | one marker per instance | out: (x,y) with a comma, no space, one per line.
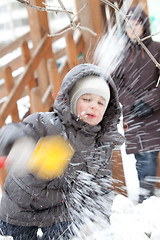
(153,98)
(37,125)
(42,124)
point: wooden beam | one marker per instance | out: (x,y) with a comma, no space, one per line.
(112,16)
(17,90)
(39,27)
(15,44)
(14,64)
(95,12)
(71,50)
(118,183)
(9,85)
(47,97)
(64,68)
(134,3)
(38,22)
(143,4)
(26,56)
(36,100)
(85,21)
(54,76)
(3,175)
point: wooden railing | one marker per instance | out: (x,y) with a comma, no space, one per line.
(13,64)
(14,89)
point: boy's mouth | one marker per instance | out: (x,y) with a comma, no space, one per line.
(89,115)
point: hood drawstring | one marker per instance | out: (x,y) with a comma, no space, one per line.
(132,54)
(142,53)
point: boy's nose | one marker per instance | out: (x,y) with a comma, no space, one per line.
(93,105)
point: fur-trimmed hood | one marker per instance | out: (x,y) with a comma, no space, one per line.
(62,102)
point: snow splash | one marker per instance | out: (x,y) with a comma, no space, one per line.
(89,207)
(127,222)
(110,50)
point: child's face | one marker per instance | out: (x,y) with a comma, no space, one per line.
(137,27)
(90,108)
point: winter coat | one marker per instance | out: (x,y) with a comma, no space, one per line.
(136,80)
(29,201)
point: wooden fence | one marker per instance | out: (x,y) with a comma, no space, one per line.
(15,88)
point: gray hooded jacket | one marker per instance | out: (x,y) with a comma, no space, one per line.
(29,201)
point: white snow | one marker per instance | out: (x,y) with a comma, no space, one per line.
(128,221)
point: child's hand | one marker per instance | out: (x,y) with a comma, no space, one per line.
(6,237)
(51,157)
(19,156)
(8,135)
(47,159)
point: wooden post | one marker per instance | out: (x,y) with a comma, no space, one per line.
(36,97)
(3,175)
(95,12)
(54,76)
(134,3)
(39,27)
(71,50)
(143,4)
(91,17)
(112,16)
(26,57)
(8,85)
(84,21)
(103,11)
(118,183)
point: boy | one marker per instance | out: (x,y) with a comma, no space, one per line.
(87,112)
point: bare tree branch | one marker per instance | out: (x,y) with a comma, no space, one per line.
(87,29)
(60,33)
(74,28)
(154,34)
(73,24)
(68,15)
(158,82)
(46,9)
(85,5)
(125,17)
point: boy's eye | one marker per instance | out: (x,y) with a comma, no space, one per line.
(101,103)
(86,99)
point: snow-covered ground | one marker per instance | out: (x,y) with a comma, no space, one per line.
(128,222)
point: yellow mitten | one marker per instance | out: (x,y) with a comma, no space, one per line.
(51,157)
